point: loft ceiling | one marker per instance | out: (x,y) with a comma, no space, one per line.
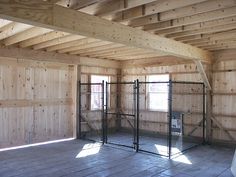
(206,24)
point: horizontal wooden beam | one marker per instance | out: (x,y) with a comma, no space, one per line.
(152,23)
(152,8)
(38,103)
(27,34)
(156,61)
(75,22)
(57,41)
(43,38)
(28,54)
(70,44)
(167,28)
(213,29)
(12,29)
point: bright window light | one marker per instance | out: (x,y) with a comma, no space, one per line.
(96,91)
(89,149)
(158,92)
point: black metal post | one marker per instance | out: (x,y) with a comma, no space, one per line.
(106,115)
(204,113)
(79,112)
(137,115)
(103,118)
(170,118)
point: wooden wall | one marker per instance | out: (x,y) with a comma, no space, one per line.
(36,101)
(224,96)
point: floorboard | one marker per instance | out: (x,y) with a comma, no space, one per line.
(84,158)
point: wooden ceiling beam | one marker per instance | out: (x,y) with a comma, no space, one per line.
(224,35)
(103,50)
(83,46)
(4,23)
(154,61)
(152,8)
(96,49)
(57,41)
(43,38)
(195,9)
(28,54)
(214,29)
(71,44)
(75,4)
(79,23)
(113,52)
(27,34)
(12,29)
(112,6)
(168,30)
(156,23)
(187,38)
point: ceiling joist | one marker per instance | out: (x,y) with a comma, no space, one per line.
(49,16)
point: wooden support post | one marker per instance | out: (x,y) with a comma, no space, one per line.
(203,73)
(207,79)
(209,107)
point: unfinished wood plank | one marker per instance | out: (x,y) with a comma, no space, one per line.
(52,19)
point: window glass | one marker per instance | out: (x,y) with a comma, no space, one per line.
(158,92)
(96,91)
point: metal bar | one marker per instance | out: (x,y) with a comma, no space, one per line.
(90,83)
(122,145)
(106,113)
(183,151)
(79,107)
(175,82)
(141,150)
(120,83)
(170,118)
(103,118)
(114,113)
(158,82)
(135,117)
(137,114)
(204,114)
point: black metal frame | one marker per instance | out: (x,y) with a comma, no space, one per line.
(203,115)
(136,131)
(124,114)
(79,111)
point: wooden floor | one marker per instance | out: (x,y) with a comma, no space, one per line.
(83,158)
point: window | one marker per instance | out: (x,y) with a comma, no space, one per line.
(158,92)
(96,91)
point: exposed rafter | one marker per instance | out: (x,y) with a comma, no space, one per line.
(49,16)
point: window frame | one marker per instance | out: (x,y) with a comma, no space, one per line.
(91,91)
(166,92)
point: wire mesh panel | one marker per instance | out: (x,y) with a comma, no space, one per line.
(187,116)
(91,111)
(120,114)
(153,117)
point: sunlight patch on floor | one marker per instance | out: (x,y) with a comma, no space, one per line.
(180,158)
(35,144)
(89,149)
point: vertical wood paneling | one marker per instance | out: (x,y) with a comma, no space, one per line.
(34,104)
